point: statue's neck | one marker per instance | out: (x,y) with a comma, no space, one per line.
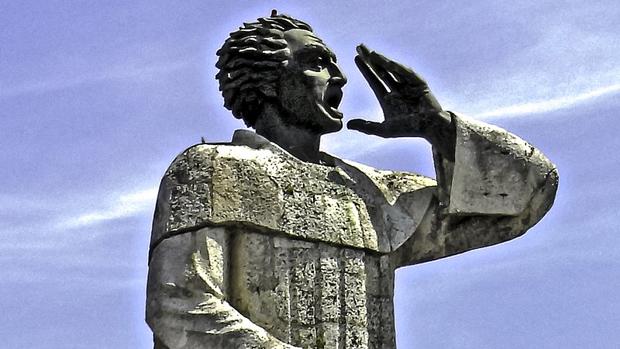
(299,142)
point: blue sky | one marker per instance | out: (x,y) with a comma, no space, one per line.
(97,98)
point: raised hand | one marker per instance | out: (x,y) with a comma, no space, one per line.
(409,107)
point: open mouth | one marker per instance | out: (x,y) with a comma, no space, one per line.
(332,98)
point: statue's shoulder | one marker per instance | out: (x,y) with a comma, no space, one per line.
(392,184)
(245,147)
(197,158)
(216,183)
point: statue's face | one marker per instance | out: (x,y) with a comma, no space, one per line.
(311,84)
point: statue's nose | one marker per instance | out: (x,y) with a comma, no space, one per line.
(337,75)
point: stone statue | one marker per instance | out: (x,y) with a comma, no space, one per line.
(267,242)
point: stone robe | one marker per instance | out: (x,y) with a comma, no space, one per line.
(253,248)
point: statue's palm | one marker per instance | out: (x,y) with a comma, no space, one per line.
(409,108)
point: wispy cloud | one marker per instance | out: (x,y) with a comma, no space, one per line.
(134,71)
(549,105)
(124,206)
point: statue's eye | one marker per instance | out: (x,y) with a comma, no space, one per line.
(320,62)
(317,63)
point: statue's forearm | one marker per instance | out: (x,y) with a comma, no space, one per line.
(496,187)
(442,135)
(468,233)
(493,172)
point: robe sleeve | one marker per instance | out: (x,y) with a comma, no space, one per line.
(497,187)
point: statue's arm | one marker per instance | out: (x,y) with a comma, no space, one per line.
(491,185)
(495,188)
(187,294)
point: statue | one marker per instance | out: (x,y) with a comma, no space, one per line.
(267,242)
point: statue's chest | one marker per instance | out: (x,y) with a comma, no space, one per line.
(271,191)
(308,293)
(312,202)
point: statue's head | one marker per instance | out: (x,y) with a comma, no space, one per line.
(278,62)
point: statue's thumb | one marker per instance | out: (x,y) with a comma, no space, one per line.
(368,127)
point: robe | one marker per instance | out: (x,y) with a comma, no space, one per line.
(254,248)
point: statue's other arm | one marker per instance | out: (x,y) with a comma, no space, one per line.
(187,296)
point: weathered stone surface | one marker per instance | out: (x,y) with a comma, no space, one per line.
(505,169)
(308,294)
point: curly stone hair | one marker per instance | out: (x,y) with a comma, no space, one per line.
(249,63)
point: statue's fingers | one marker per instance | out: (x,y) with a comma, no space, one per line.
(394,71)
(379,59)
(406,74)
(379,88)
(362,50)
(387,77)
(377,62)
(367,127)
